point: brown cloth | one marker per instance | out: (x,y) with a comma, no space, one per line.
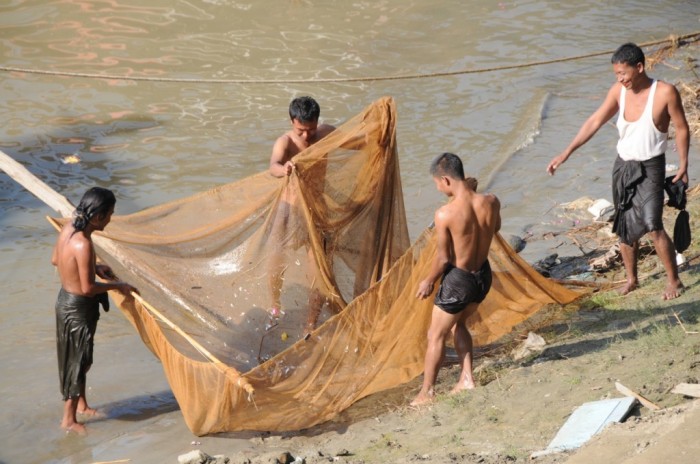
(76,322)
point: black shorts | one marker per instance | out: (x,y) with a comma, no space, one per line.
(460,288)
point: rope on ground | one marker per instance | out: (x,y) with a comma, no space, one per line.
(674,40)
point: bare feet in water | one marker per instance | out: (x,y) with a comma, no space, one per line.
(673,290)
(91,413)
(75,427)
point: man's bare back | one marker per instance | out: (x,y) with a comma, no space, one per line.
(70,246)
(465,228)
(471,220)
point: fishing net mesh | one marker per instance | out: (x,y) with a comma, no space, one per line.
(275,303)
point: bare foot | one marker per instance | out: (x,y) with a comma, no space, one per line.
(462,386)
(423,398)
(91,412)
(630,286)
(673,291)
(75,427)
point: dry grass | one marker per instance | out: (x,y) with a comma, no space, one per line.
(689,89)
(690,93)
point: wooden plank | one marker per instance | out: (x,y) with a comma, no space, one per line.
(687,389)
(41,190)
(626,391)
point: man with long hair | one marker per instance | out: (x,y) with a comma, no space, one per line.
(77,306)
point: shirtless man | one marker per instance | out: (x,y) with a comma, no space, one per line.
(646,109)
(464,227)
(305,131)
(303,114)
(77,306)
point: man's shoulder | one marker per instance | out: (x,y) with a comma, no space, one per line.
(324,130)
(284,139)
(75,244)
(666,89)
(444,213)
(616,90)
(487,197)
(282,144)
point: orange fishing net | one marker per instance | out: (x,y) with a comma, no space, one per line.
(330,243)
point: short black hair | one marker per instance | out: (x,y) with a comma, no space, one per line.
(95,202)
(629,54)
(447,164)
(304,109)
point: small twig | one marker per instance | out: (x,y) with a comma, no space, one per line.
(578,244)
(550,209)
(682,326)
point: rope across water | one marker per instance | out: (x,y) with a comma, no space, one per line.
(673,40)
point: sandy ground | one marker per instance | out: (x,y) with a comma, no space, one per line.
(639,340)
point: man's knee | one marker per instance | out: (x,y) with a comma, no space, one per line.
(438,334)
(659,235)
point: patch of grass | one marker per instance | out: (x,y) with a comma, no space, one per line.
(603,300)
(454,401)
(516,454)
(494,414)
(575,331)
(660,336)
(487,375)
(384,443)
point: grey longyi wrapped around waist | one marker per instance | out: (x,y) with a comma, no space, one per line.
(638,195)
(76,323)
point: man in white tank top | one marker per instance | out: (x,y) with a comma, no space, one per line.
(646,109)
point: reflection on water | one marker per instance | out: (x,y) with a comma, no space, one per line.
(156,141)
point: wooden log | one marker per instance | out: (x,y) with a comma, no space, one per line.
(29,181)
(687,389)
(626,391)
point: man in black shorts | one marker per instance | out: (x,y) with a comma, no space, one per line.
(465,228)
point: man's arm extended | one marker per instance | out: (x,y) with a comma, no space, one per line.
(594,122)
(442,256)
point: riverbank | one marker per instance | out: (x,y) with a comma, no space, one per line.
(640,340)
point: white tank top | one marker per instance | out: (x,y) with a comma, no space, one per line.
(640,140)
